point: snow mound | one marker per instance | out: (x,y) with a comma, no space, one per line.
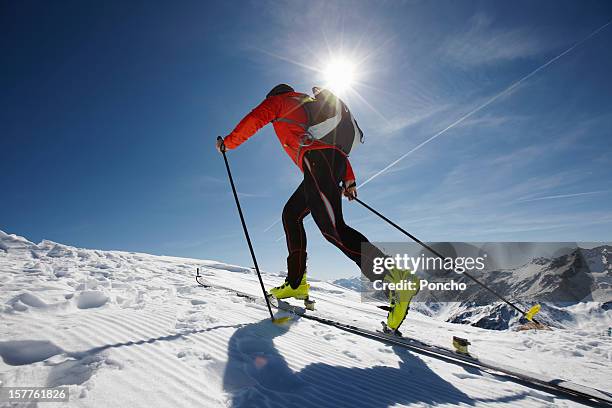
(10,242)
(31,300)
(59,251)
(91,299)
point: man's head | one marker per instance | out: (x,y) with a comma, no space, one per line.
(279,89)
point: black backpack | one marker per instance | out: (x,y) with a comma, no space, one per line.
(329,120)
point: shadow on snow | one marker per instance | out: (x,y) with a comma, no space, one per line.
(81,365)
(257,375)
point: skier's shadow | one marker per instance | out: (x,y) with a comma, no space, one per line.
(257,375)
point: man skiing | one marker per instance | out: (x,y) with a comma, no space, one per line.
(325,166)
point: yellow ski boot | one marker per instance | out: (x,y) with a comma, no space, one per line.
(286,291)
(399,299)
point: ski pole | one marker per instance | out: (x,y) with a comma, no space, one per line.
(509,303)
(244,227)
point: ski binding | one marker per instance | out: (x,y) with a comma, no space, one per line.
(309,304)
(389,331)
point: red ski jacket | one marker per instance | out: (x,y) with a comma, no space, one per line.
(290,135)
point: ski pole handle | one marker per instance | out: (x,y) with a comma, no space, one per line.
(221,145)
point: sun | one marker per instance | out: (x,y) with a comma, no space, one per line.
(339,75)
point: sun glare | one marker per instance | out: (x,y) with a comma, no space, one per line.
(339,75)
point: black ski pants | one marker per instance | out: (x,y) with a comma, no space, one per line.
(320,195)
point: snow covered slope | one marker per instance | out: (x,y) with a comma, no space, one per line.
(129,329)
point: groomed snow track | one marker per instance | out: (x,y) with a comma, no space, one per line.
(576,392)
(131,329)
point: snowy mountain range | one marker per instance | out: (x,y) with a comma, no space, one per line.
(558,283)
(131,329)
(582,275)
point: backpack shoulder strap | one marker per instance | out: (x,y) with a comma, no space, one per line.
(294,122)
(302,101)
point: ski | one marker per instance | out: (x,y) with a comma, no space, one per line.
(568,389)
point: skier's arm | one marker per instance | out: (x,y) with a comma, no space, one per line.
(263,114)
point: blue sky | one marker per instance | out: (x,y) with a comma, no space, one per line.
(110,111)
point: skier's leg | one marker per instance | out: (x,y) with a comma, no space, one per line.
(323,170)
(355,239)
(322,173)
(293,215)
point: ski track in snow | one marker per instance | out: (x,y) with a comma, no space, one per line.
(127,329)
